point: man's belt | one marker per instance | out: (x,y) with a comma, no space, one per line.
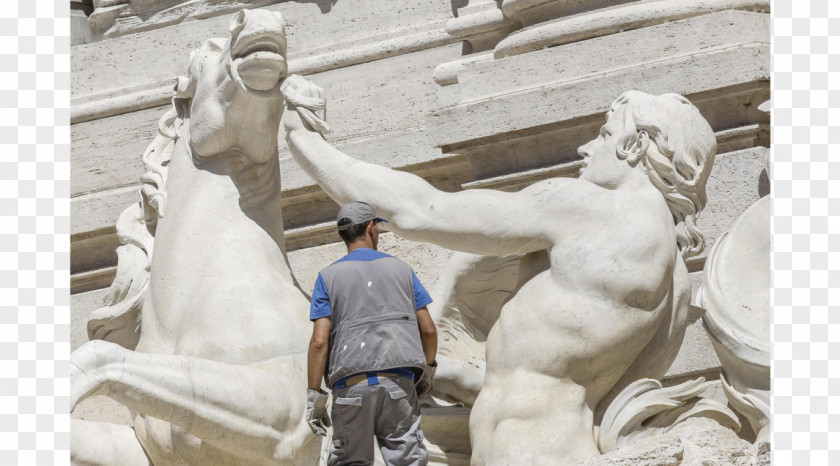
(366,378)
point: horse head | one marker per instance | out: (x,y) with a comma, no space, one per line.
(231,94)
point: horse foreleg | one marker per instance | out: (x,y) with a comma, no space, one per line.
(105,444)
(254,412)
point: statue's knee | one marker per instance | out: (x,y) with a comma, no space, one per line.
(95,354)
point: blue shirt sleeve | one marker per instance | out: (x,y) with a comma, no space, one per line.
(320,306)
(421,296)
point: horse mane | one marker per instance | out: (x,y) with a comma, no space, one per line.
(118,320)
(156,160)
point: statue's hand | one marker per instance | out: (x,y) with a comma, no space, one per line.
(303,99)
(293,122)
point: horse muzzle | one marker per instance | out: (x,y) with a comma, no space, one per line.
(258,50)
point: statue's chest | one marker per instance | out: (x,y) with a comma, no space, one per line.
(207,249)
(204,213)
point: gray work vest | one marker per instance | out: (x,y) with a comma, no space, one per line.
(374,321)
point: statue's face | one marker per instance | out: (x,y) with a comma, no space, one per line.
(601,164)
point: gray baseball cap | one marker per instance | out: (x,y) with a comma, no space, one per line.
(357,212)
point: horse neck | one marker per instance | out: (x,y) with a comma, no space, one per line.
(227,177)
(257,183)
(260,197)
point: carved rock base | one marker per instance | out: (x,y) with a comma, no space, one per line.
(693,442)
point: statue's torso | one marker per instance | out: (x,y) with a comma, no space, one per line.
(570,332)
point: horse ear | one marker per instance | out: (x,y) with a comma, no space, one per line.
(237,22)
(185,87)
(184,92)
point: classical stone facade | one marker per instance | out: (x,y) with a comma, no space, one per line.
(465,94)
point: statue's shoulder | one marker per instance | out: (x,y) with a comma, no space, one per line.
(570,197)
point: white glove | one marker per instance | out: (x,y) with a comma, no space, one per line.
(316,411)
(424,385)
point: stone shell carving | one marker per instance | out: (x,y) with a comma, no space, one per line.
(735,292)
(645,408)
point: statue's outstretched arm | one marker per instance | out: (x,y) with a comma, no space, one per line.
(251,411)
(476,221)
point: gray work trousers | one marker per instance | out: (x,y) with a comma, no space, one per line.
(389,411)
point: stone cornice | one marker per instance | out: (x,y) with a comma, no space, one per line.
(556,102)
(597,23)
(531,12)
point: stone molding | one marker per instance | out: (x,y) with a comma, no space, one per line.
(517,94)
(481,25)
(115,18)
(596,23)
(549,105)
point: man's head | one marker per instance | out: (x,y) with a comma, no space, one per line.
(667,138)
(357,223)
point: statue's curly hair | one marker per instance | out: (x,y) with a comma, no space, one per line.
(679,160)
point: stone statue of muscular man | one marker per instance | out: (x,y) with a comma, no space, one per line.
(606,301)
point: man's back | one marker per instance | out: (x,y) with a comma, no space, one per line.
(373,337)
(374,326)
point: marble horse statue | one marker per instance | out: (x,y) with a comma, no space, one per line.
(204,332)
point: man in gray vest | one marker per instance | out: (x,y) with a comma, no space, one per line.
(373,338)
